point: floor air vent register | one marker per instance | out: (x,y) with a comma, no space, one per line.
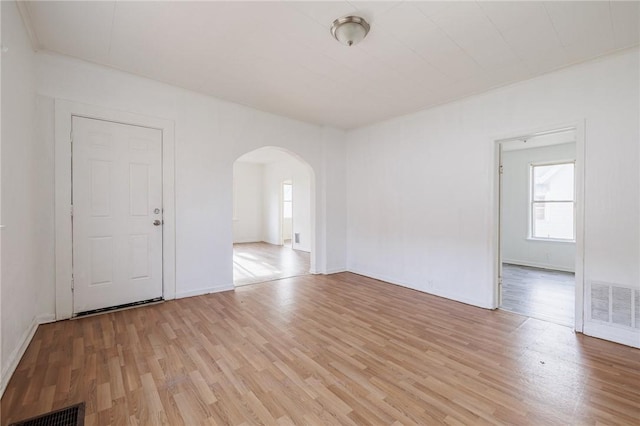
(70,416)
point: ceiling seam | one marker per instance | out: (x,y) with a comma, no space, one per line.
(113,20)
(436,67)
(511,48)
(613,27)
(555,30)
(23,9)
(452,41)
(426,60)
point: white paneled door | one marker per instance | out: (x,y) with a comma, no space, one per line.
(117,214)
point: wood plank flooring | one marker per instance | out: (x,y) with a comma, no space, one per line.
(338,349)
(260,262)
(539,293)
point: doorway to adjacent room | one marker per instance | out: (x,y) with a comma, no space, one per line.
(537,226)
(272,221)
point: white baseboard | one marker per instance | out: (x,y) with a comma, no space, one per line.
(538,265)
(330,271)
(305,250)
(46,319)
(412,286)
(201,291)
(624,336)
(18,352)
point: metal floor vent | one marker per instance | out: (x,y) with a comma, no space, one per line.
(70,416)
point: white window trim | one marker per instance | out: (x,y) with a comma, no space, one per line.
(287,201)
(532,202)
(552,240)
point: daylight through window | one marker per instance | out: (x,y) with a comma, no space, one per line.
(287,197)
(552,201)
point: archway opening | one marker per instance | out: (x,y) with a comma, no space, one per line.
(273,218)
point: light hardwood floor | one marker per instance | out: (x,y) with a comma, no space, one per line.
(260,262)
(539,293)
(338,349)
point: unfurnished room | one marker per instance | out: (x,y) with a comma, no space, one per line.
(319,212)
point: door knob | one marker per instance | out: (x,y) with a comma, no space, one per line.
(157,222)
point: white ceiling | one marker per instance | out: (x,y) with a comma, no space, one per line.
(280,56)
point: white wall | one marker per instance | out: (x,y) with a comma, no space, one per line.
(26,208)
(333,206)
(210,135)
(247,202)
(420,187)
(517,247)
(421,195)
(274,175)
(301,226)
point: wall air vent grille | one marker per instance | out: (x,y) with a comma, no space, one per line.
(614,304)
(600,302)
(621,306)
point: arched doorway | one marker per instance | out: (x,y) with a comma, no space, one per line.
(273,219)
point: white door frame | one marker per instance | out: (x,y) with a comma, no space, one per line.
(579,126)
(64,111)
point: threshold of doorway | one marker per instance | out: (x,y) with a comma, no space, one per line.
(538,317)
(122,307)
(270,279)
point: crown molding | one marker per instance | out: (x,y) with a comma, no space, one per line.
(23,8)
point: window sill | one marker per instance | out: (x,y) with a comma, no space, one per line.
(551,240)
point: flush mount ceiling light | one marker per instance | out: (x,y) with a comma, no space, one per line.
(350,30)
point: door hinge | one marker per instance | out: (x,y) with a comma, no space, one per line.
(501,169)
(499,280)
(72,284)
(71,137)
(71,210)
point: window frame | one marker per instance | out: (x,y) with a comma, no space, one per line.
(285,201)
(533,202)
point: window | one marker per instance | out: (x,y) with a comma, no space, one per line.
(287,200)
(552,201)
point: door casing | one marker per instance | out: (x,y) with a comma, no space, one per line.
(579,126)
(64,111)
